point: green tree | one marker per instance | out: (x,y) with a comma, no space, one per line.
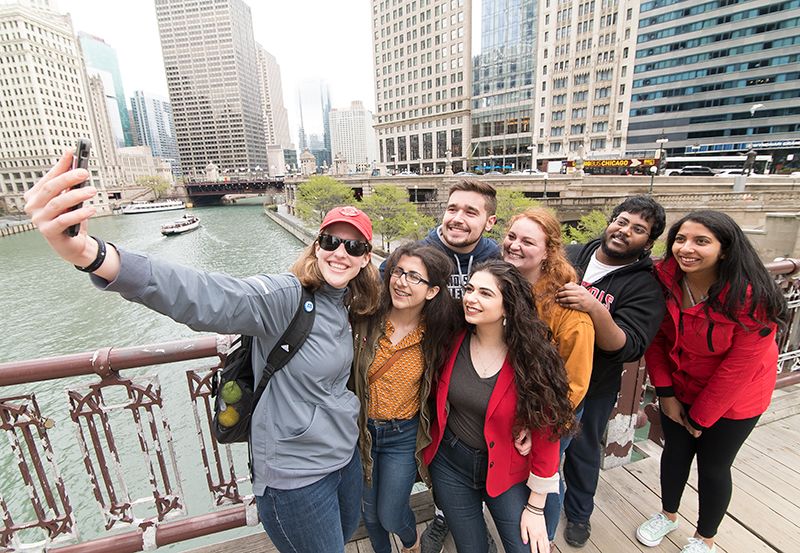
(589,226)
(155,183)
(509,203)
(320,194)
(393,216)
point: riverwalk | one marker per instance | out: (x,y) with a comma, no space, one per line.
(763,517)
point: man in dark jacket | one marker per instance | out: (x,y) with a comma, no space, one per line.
(626,304)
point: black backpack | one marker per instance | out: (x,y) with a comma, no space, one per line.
(235,381)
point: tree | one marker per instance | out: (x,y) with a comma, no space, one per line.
(589,226)
(509,203)
(393,216)
(155,183)
(320,194)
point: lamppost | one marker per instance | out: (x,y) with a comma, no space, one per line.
(394,163)
(661,140)
(532,150)
(653,171)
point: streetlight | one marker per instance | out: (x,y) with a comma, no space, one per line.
(394,162)
(532,150)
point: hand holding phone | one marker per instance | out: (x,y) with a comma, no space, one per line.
(80,160)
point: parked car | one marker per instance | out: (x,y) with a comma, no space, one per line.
(695,171)
(730,172)
(466,174)
(532,172)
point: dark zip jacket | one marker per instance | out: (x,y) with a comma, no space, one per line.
(486,248)
(636,302)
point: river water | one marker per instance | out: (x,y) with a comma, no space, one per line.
(48,308)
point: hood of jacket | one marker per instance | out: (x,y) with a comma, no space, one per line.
(486,248)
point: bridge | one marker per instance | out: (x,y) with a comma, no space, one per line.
(212,192)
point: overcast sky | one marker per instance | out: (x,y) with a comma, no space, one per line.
(311,39)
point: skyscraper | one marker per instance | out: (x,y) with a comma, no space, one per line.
(422,63)
(276,118)
(352,136)
(45,103)
(314,100)
(101,59)
(717,77)
(154,127)
(212,77)
(503,85)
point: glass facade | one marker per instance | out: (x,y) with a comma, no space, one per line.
(717,76)
(503,86)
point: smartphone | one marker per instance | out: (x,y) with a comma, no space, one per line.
(80,160)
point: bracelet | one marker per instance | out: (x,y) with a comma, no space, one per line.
(534,509)
(98,261)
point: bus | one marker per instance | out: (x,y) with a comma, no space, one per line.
(762,165)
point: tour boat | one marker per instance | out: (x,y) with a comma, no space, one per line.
(185,224)
(150,207)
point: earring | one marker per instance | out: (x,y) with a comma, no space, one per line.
(504,321)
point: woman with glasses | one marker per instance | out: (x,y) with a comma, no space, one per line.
(502,376)
(306,472)
(533,245)
(397,351)
(713,364)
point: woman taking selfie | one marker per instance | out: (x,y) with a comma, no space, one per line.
(396,354)
(533,245)
(307,476)
(502,376)
(713,364)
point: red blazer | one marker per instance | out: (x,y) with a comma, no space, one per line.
(719,367)
(506,466)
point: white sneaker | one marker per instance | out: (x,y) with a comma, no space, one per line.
(651,533)
(697,545)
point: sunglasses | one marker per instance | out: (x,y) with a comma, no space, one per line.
(331,243)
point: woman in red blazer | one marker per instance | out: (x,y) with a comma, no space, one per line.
(713,364)
(503,375)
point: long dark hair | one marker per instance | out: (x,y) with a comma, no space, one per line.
(542,388)
(739,268)
(441,313)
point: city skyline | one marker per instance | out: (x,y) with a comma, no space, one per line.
(135,39)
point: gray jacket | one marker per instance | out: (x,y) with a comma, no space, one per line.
(304,426)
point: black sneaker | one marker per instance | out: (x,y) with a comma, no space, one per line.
(432,539)
(577,533)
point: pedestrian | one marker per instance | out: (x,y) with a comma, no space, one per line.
(622,297)
(397,351)
(307,475)
(533,245)
(468,216)
(713,364)
(502,375)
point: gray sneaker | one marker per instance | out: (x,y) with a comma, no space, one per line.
(651,532)
(432,539)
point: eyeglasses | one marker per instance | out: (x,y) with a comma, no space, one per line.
(331,243)
(412,277)
(622,222)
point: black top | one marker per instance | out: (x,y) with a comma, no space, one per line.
(636,302)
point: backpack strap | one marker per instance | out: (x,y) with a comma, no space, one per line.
(290,341)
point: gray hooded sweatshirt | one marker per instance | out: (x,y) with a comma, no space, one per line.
(304,427)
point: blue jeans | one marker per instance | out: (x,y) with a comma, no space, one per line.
(394,469)
(552,506)
(583,456)
(459,478)
(319,517)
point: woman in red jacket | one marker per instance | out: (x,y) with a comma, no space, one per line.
(502,375)
(713,364)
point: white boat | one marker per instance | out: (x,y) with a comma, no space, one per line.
(185,224)
(150,207)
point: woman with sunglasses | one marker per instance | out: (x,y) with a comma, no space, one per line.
(396,353)
(533,245)
(307,476)
(502,375)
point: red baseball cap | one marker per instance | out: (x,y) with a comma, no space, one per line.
(350,215)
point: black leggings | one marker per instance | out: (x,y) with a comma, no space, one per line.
(716,448)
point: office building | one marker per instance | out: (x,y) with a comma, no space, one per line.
(423,72)
(212,78)
(45,106)
(353,138)
(719,77)
(314,101)
(101,59)
(503,85)
(152,116)
(276,118)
